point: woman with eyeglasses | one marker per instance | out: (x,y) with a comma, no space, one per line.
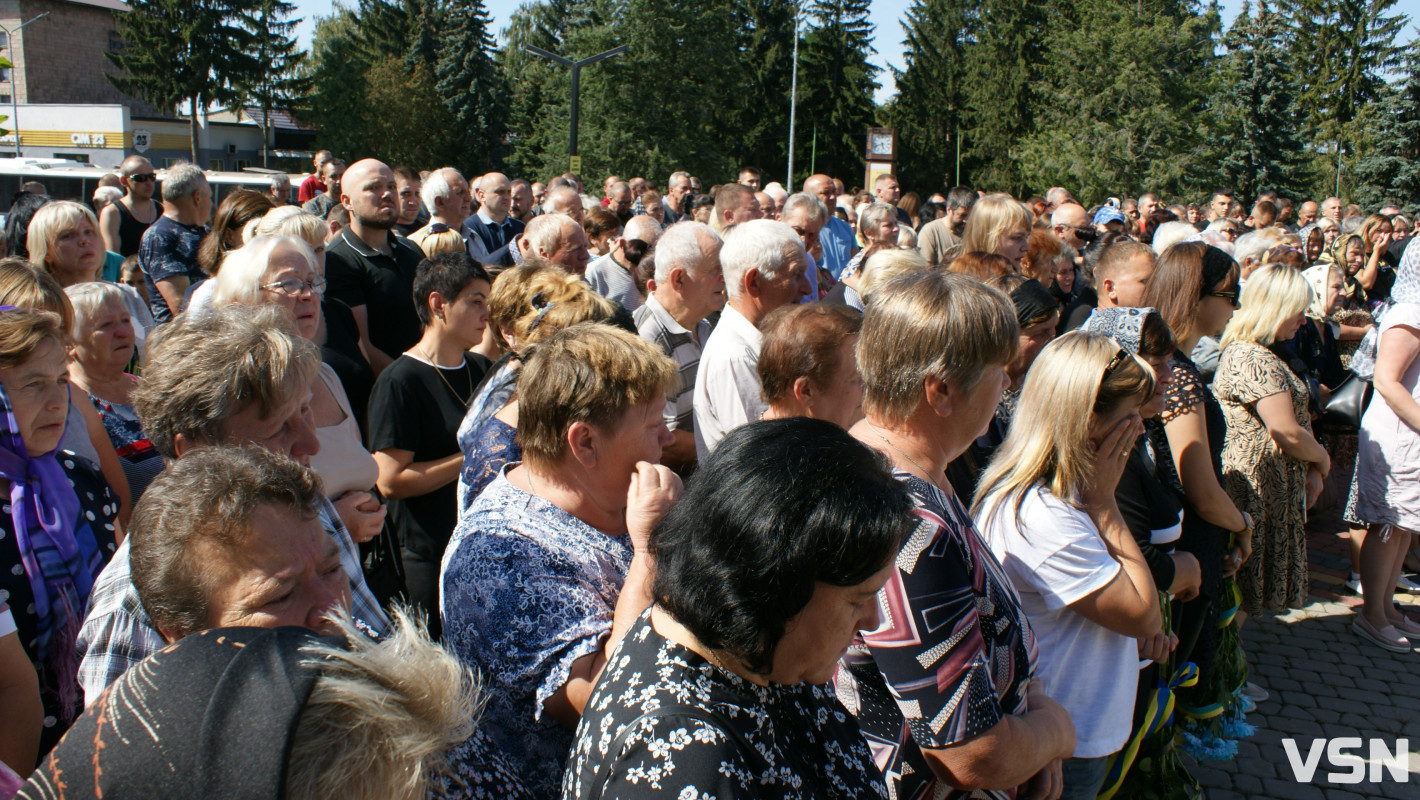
(1273,466)
(283,271)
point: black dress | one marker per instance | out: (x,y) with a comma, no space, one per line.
(416,406)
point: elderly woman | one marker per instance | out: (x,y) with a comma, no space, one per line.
(806,363)
(550,568)
(877,230)
(348,718)
(529,303)
(877,269)
(194,393)
(1272,464)
(102,349)
(1385,483)
(1046,506)
(719,685)
(282,271)
(933,353)
(59,522)
(415,411)
(998,224)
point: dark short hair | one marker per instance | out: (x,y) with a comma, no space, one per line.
(598,220)
(447,274)
(779,507)
(208,495)
(961,197)
(755,171)
(407,173)
(1155,340)
(338,213)
(802,341)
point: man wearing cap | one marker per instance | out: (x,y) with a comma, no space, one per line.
(1109,218)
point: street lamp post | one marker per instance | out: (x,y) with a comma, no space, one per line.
(575,161)
(794,104)
(15,95)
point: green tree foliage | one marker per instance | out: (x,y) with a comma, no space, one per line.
(472,89)
(1118,99)
(1005,60)
(1339,51)
(192,51)
(930,110)
(836,84)
(338,101)
(1254,109)
(283,84)
(764,57)
(1390,171)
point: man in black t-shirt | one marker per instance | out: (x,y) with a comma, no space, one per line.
(371,269)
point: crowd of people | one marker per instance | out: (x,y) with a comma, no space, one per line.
(430,487)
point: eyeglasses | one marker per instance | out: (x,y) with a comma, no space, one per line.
(805,233)
(142,178)
(293,287)
(1231,295)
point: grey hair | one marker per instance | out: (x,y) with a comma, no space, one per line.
(382,716)
(643,227)
(1254,244)
(181,181)
(202,369)
(292,221)
(88,297)
(682,246)
(553,202)
(544,233)
(761,245)
(245,268)
(436,187)
(671,181)
(1171,233)
(814,209)
(871,217)
(107,194)
(278,181)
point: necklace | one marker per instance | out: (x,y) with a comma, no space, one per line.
(926,473)
(438,370)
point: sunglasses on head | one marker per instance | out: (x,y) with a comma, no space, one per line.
(1230,294)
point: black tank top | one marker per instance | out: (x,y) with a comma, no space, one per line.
(130,228)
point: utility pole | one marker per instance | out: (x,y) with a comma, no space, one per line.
(574,161)
(793,103)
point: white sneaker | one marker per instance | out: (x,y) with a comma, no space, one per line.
(1354,583)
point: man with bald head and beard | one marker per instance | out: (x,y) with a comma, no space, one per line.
(491,232)
(371,269)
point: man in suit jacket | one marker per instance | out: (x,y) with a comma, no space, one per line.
(492,231)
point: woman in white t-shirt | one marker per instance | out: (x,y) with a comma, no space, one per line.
(1046,507)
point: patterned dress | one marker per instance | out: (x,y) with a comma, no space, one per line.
(492,446)
(664,723)
(1262,480)
(526,589)
(952,658)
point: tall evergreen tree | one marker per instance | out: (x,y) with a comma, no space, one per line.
(192,51)
(472,89)
(764,57)
(1119,99)
(1254,108)
(836,84)
(283,84)
(337,103)
(1390,171)
(1004,62)
(1339,51)
(929,110)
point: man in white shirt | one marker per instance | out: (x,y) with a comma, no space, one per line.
(689,286)
(764,263)
(611,275)
(446,194)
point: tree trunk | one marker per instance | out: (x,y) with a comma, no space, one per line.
(192,130)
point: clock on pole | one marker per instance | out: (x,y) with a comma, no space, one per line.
(882,153)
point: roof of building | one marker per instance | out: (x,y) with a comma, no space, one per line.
(112,5)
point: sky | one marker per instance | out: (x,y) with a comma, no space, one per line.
(886,17)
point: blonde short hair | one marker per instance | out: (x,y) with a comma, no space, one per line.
(993,216)
(244,269)
(1272,294)
(445,241)
(930,324)
(292,221)
(884,265)
(49,222)
(88,297)
(537,299)
(1075,378)
(24,285)
(591,373)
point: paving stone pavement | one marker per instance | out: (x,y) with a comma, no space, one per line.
(1326,682)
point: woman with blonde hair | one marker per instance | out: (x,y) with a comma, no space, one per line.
(1272,464)
(998,224)
(1047,509)
(879,268)
(933,353)
(528,304)
(63,239)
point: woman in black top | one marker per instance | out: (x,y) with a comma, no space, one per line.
(415,410)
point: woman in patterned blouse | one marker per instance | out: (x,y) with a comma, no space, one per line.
(720,689)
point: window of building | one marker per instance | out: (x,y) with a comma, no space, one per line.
(173,162)
(115,42)
(82,158)
(242,164)
(5,40)
(217,164)
(4,99)
(4,74)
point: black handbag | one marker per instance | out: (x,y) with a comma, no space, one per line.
(384,567)
(1348,402)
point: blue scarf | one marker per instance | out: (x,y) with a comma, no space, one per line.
(60,554)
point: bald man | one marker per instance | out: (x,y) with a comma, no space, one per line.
(613,275)
(1069,223)
(492,231)
(371,269)
(564,200)
(836,238)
